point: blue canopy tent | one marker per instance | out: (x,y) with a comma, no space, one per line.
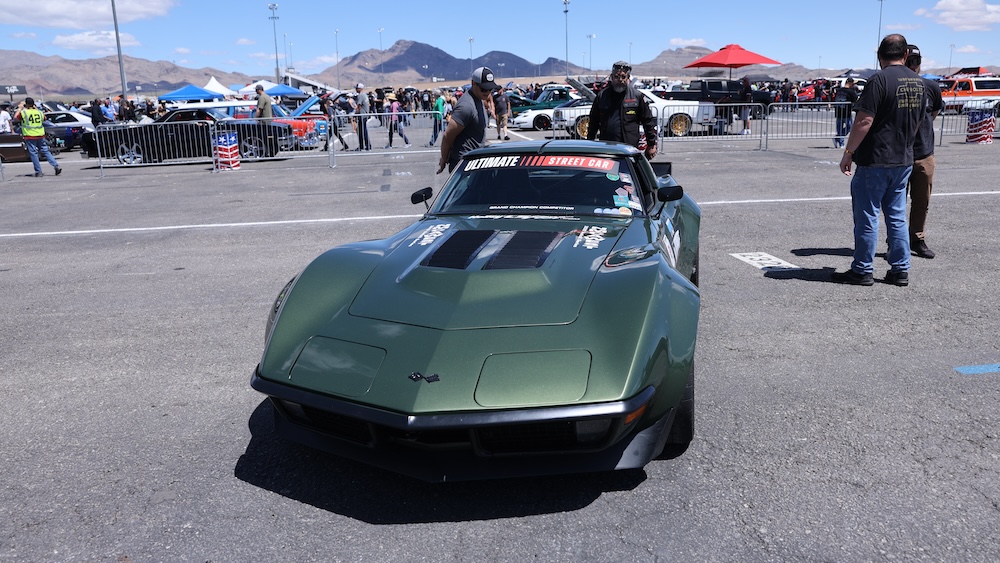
(191,93)
(931,76)
(284,90)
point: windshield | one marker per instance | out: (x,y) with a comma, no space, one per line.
(541,185)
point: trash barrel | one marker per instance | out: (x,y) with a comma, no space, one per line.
(981,126)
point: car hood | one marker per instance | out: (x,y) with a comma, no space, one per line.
(454,273)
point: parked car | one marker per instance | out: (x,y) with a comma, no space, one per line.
(573,117)
(550,97)
(67,127)
(540,318)
(306,135)
(535,119)
(185,133)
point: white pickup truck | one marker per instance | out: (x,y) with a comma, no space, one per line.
(675,118)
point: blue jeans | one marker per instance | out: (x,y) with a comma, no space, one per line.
(843,130)
(874,189)
(36,146)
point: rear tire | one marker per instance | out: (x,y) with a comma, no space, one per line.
(129,154)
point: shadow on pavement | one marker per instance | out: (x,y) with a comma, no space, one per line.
(378,497)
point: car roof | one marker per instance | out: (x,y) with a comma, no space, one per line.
(561,147)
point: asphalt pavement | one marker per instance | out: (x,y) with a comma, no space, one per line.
(833,423)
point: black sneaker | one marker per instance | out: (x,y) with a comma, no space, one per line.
(900,278)
(38,174)
(58,171)
(853,278)
(919,247)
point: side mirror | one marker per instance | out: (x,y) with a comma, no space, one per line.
(422,196)
(669,193)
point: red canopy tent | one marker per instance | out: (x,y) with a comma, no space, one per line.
(731,56)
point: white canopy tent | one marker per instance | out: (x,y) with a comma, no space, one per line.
(249,88)
(216,86)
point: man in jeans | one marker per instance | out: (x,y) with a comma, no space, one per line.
(881,144)
(32,122)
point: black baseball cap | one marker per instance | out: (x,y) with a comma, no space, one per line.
(484,77)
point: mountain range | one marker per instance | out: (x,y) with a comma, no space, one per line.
(405,62)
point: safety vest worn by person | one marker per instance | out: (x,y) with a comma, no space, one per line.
(32,123)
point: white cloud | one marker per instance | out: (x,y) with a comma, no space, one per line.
(963,15)
(96,42)
(80,14)
(182,51)
(967,49)
(24,35)
(245,41)
(678,42)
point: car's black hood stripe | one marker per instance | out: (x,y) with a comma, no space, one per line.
(459,250)
(525,250)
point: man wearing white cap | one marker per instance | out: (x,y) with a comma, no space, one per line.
(467,128)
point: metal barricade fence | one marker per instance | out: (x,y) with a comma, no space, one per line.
(132,144)
(805,120)
(371,133)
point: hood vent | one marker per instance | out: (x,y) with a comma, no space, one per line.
(525,250)
(459,250)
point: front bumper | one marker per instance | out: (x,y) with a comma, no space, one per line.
(472,445)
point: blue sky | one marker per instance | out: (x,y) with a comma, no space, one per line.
(239,36)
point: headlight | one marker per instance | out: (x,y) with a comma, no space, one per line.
(272,314)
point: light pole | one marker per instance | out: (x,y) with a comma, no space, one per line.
(566,12)
(591,37)
(879,36)
(425,71)
(629,53)
(336,46)
(471,39)
(284,43)
(951,51)
(381,54)
(501,65)
(121,64)
(274,26)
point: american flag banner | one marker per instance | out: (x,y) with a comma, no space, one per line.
(981,127)
(226,150)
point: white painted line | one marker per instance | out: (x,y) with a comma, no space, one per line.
(764,261)
(831,198)
(208,226)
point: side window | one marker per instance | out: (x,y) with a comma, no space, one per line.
(962,87)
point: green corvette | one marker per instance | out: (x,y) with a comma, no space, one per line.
(540,318)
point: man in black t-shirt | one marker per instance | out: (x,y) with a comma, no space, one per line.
(844,98)
(881,144)
(922,177)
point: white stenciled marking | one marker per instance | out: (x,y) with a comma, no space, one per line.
(764,261)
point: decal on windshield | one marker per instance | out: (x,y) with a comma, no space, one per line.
(537,161)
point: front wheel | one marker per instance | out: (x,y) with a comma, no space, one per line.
(679,125)
(582,127)
(542,122)
(682,428)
